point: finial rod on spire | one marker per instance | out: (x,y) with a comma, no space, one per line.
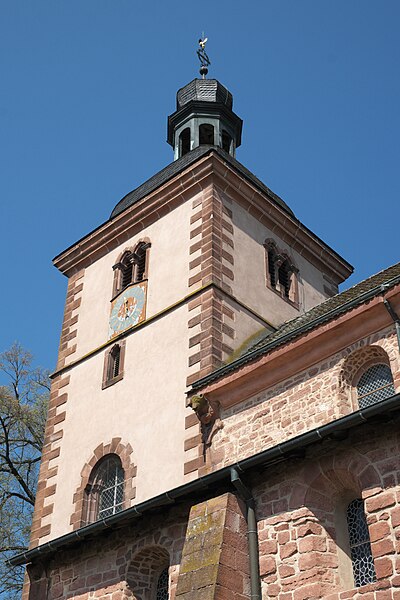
(203,57)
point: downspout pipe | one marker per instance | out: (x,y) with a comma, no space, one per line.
(395,317)
(252,533)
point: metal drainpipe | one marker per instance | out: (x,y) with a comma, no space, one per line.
(395,317)
(246,495)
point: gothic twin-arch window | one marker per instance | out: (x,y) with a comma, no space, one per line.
(105,490)
(281,273)
(374,385)
(131,268)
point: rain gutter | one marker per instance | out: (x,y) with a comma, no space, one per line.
(257,352)
(268,457)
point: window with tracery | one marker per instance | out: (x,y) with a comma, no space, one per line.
(360,546)
(375,385)
(162,592)
(105,491)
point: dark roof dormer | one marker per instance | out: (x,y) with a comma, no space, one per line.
(204,116)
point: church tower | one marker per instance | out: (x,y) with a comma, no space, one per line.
(157,404)
(189,270)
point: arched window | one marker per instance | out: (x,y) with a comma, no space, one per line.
(360,546)
(132,267)
(206,134)
(105,490)
(226,141)
(114,364)
(374,385)
(184,142)
(162,591)
(281,273)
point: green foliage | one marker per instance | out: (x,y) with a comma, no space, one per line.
(23,408)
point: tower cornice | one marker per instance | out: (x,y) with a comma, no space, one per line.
(213,168)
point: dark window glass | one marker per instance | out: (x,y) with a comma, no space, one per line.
(206,134)
(375,384)
(184,141)
(360,547)
(226,141)
(284,278)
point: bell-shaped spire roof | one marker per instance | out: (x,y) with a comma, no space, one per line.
(204,116)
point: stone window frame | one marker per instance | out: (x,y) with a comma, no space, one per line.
(80,499)
(110,358)
(280,258)
(130,254)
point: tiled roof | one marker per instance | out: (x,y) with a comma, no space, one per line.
(182,163)
(321,313)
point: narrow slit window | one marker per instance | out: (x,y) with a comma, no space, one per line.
(115,356)
(360,546)
(163,585)
(113,370)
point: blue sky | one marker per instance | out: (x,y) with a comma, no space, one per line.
(85,90)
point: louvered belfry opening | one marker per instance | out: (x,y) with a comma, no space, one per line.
(132,268)
(284,277)
(140,262)
(271,267)
(127,270)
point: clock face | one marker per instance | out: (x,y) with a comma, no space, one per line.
(128,309)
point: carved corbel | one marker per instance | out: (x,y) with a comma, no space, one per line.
(207,411)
